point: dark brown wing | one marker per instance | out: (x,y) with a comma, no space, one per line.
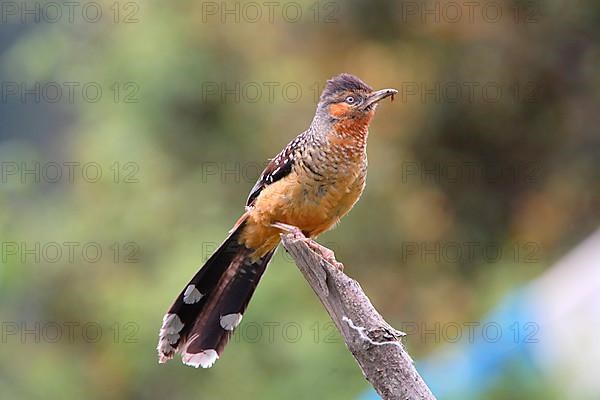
(277,169)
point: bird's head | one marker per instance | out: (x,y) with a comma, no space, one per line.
(346,97)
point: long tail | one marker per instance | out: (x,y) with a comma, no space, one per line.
(204,315)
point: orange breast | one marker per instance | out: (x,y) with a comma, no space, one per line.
(298,200)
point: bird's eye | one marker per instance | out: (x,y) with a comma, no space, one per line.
(350,100)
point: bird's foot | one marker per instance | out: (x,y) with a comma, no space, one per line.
(325,253)
(294,230)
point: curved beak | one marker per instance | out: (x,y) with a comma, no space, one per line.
(377,96)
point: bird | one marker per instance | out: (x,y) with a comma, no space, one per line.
(310,185)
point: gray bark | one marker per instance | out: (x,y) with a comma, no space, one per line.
(376,346)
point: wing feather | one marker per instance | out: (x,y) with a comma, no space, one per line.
(277,169)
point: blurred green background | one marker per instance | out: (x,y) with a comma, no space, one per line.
(184,124)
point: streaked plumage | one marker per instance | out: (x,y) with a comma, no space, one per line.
(312,183)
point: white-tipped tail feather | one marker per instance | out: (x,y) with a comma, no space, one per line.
(202,318)
(204,359)
(191,295)
(168,335)
(230,321)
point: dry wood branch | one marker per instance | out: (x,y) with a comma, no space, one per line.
(375,345)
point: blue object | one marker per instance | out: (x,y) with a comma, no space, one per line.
(468,368)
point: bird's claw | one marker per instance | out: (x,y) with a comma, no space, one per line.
(325,253)
(288,229)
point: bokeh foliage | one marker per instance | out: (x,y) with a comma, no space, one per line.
(179,209)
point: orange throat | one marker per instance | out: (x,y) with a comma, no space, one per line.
(351,132)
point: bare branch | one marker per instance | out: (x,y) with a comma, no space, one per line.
(375,345)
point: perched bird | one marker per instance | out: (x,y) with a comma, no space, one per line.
(313,182)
